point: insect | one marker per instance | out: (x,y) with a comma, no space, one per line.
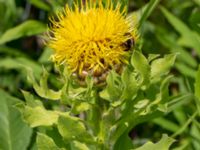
(129,43)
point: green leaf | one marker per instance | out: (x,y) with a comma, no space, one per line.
(11,51)
(112,91)
(130,119)
(44,142)
(170,42)
(197,84)
(161,66)
(166,124)
(195,19)
(44,58)
(140,63)
(159,101)
(184,69)
(21,63)
(72,128)
(42,88)
(105,95)
(142,104)
(177,101)
(195,134)
(70,94)
(27,28)
(124,142)
(8,14)
(188,38)
(79,107)
(14,133)
(30,100)
(130,85)
(148,10)
(197,89)
(185,125)
(180,115)
(163,144)
(164,89)
(197,2)
(38,116)
(78,146)
(41,4)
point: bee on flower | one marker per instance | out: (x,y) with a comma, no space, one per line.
(92,38)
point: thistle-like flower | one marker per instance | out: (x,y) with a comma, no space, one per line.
(92,38)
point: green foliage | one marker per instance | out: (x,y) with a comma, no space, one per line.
(197,84)
(188,37)
(28,28)
(38,116)
(148,10)
(14,133)
(197,89)
(124,142)
(46,143)
(21,64)
(40,4)
(134,103)
(139,62)
(161,66)
(42,89)
(137,106)
(163,144)
(72,128)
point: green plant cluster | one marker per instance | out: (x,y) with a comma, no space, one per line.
(156,97)
(98,117)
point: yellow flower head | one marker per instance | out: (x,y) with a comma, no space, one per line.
(92,37)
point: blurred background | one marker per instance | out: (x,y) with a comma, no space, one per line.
(172,26)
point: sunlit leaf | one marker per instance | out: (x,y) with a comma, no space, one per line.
(163,144)
(112,92)
(38,116)
(141,65)
(46,143)
(42,88)
(79,107)
(161,66)
(79,146)
(130,85)
(72,128)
